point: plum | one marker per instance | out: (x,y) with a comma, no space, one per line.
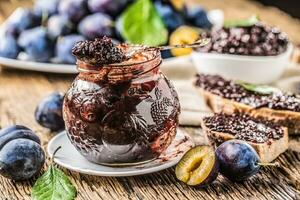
(75,10)
(197,16)
(20,20)
(59,25)
(13,132)
(20,159)
(8,46)
(96,25)
(64,45)
(49,112)
(238,160)
(198,167)
(36,44)
(111,7)
(49,7)
(172,19)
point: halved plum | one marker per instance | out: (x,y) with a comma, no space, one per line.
(198,167)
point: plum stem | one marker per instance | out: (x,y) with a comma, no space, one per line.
(54,153)
(275,164)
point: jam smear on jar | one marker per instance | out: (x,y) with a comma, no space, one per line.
(124,112)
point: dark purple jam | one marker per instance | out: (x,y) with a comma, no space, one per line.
(230,90)
(256,40)
(244,127)
(99,52)
(125,114)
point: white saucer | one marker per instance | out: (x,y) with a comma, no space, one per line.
(71,159)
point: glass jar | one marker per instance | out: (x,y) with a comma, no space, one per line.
(122,114)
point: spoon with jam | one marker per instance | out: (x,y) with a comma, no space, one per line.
(136,49)
(102,51)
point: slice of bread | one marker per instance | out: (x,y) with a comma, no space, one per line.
(267,150)
(285,118)
(227,96)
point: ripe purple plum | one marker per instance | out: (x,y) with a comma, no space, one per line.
(20,20)
(96,25)
(238,160)
(111,7)
(36,44)
(49,112)
(64,45)
(75,10)
(21,155)
(49,7)
(8,46)
(59,25)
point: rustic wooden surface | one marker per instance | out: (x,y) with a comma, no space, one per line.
(20,92)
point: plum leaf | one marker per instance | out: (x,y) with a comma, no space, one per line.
(141,24)
(261,89)
(242,22)
(53,184)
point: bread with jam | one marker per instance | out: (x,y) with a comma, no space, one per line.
(267,138)
(228,97)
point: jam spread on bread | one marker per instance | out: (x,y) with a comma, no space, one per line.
(229,89)
(244,127)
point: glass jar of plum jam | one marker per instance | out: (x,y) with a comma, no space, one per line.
(124,113)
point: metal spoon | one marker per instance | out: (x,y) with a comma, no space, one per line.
(135,49)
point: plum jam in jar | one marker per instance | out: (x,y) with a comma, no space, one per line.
(120,112)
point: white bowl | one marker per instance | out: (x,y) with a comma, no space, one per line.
(252,69)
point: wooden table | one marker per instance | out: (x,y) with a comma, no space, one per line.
(21,91)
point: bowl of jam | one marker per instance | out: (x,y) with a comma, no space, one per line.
(119,111)
(257,53)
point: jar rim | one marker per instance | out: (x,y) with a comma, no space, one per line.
(95,69)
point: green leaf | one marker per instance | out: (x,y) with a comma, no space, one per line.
(141,24)
(53,185)
(242,22)
(261,89)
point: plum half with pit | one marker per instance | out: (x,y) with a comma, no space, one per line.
(21,155)
(198,167)
(90,27)
(36,44)
(75,10)
(8,46)
(238,160)
(59,25)
(49,112)
(63,49)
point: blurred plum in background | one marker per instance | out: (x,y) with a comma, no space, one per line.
(111,7)
(197,16)
(90,26)
(36,44)
(8,46)
(59,25)
(172,19)
(75,10)
(64,45)
(20,20)
(46,7)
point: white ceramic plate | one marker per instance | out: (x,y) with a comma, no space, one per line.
(71,159)
(40,67)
